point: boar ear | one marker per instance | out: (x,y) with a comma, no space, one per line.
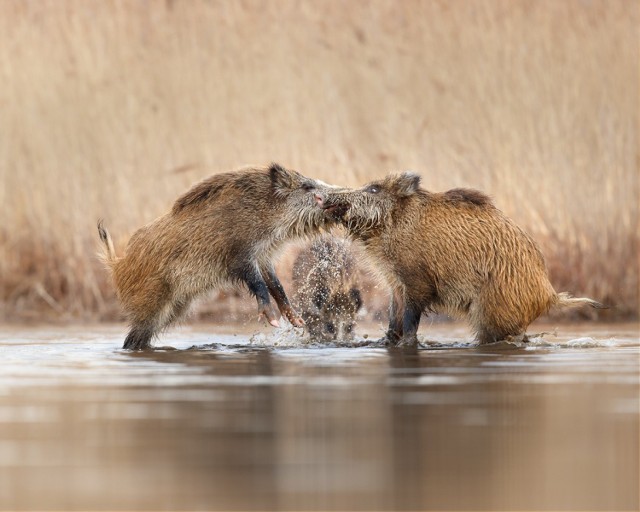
(281,178)
(407,184)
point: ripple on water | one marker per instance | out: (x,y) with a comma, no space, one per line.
(33,357)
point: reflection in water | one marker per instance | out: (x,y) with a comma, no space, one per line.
(545,426)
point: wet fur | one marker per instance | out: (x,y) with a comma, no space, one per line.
(451,252)
(225,229)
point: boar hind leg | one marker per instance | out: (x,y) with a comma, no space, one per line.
(139,338)
(484,336)
(277,292)
(491,335)
(174,312)
(488,326)
(145,327)
(252,277)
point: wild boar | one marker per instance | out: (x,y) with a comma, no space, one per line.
(326,289)
(226,229)
(452,252)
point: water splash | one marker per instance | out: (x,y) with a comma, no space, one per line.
(288,336)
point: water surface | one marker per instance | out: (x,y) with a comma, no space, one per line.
(265,421)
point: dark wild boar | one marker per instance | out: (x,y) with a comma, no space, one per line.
(224,230)
(326,289)
(452,252)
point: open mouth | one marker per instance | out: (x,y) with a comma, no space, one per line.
(336,210)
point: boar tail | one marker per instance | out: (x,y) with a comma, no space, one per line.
(565,299)
(108,253)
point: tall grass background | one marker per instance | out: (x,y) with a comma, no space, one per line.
(111,109)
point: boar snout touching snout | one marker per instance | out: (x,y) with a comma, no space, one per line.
(226,229)
(327,290)
(335,205)
(452,252)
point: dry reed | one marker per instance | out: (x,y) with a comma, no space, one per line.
(111,109)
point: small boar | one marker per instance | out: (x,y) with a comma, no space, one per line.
(326,288)
(452,252)
(225,229)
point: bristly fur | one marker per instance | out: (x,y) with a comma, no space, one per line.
(205,190)
(467,195)
(452,252)
(225,229)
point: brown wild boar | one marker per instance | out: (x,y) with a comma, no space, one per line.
(452,252)
(225,229)
(326,290)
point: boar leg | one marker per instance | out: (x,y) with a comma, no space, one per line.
(258,288)
(139,338)
(488,335)
(396,313)
(277,292)
(144,328)
(410,323)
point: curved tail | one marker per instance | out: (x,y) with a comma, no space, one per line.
(108,253)
(565,299)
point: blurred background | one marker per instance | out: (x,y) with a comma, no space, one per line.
(112,109)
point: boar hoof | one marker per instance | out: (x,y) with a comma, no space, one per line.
(388,341)
(411,341)
(297,321)
(293,317)
(269,314)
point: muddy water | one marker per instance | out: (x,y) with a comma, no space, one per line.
(267,422)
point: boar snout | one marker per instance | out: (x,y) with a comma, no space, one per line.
(334,205)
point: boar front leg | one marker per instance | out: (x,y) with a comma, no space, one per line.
(396,317)
(252,277)
(410,323)
(279,295)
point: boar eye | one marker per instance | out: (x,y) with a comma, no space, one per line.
(307,187)
(330,328)
(372,189)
